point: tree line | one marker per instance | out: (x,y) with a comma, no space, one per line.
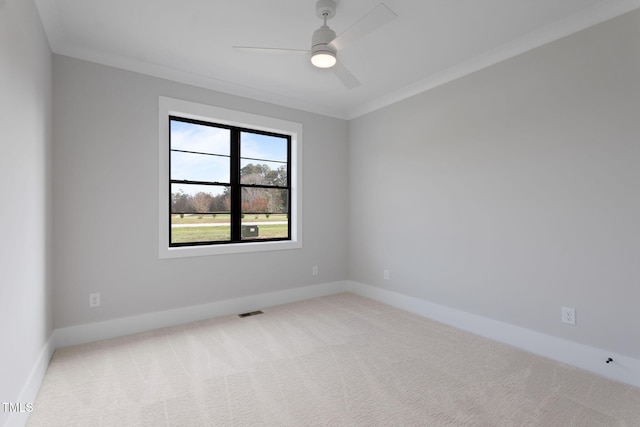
(254,200)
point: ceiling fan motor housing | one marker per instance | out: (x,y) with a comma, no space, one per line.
(321,39)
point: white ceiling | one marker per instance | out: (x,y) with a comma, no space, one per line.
(429,43)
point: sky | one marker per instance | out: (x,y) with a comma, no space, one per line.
(212,140)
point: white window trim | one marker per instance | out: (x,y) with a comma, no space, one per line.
(171,106)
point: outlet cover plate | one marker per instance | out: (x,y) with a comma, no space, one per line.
(569,315)
(94,300)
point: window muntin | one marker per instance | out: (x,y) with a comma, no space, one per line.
(227,183)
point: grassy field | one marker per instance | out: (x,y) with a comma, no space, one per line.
(199,234)
(222,232)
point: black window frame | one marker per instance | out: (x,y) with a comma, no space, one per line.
(236,186)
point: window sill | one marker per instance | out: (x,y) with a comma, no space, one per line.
(231,248)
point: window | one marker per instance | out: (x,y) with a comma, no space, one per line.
(229,181)
(228,184)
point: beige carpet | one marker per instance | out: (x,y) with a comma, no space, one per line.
(334,361)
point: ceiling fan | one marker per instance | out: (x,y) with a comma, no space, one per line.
(324,43)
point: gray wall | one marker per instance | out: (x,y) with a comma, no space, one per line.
(513,191)
(105,209)
(25,174)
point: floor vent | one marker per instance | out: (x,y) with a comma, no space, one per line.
(252,313)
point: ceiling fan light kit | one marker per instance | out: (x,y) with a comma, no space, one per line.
(324,43)
(323,59)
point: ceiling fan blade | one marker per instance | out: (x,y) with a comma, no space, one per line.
(376,18)
(345,76)
(249,49)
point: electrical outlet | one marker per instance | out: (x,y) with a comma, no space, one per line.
(314,270)
(569,315)
(94,300)
(385,274)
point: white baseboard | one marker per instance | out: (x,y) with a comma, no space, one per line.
(623,368)
(31,386)
(80,334)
